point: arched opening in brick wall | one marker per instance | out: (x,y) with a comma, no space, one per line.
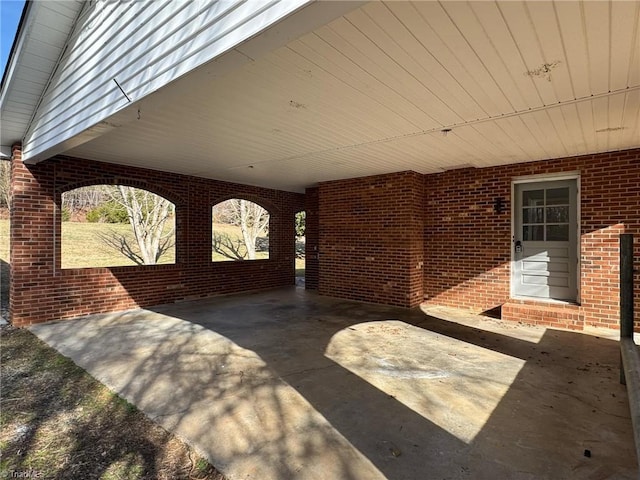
(116,225)
(300,263)
(239,231)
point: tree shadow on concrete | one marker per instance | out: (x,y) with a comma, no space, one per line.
(544,401)
(565,415)
(58,422)
(221,397)
(229,392)
(288,384)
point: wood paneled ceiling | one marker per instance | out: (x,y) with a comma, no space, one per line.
(372,92)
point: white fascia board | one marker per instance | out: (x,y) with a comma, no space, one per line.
(10,74)
(307,19)
(20,45)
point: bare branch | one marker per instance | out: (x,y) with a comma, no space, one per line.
(225,246)
(148,214)
(252,219)
(84,198)
(5,183)
(123,244)
(120,243)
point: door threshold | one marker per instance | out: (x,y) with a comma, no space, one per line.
(550,301)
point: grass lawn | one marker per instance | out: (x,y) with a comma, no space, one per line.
(235,235)
(300,265)
(59,422)
(4,240)
(83,246)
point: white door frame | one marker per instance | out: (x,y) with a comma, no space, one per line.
(575,175)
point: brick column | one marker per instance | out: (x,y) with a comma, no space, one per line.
(311,239)
(371,239)
(32,238)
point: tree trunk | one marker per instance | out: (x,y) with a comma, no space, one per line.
(247,226)
(147,215)
(252,219)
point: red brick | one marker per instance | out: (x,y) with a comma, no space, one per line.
(42,291)
(395,239)
(610,205)
(370,238)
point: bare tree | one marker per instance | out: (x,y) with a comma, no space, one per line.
(229,248)
(5,183)
(84,198)
(253,221)
(301,228)
(148,214)
(122,244)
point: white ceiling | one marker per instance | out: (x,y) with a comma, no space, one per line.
(371,91)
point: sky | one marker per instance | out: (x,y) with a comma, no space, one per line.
(10,12)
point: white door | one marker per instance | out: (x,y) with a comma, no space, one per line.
(545,240)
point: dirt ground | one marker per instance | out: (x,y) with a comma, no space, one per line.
(58,422)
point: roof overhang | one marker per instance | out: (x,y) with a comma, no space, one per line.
(39,43)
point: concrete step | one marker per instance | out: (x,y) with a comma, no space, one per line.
(532,312)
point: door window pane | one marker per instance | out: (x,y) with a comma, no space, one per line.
(532,198)
(558,196)
(533,215)
(557,215)
(558,233)
(533,233)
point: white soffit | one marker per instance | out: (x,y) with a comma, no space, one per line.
(371,91)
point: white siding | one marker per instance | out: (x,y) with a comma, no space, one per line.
(143,45)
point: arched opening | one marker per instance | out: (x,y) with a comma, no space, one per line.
(239,231)
(116,225)
(300,263)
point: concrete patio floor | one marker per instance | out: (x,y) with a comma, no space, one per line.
(286,384)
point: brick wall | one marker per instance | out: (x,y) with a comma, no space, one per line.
(370,248)
(392,239)
(42,291)
(312,237)
(370,238)
(468,246)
